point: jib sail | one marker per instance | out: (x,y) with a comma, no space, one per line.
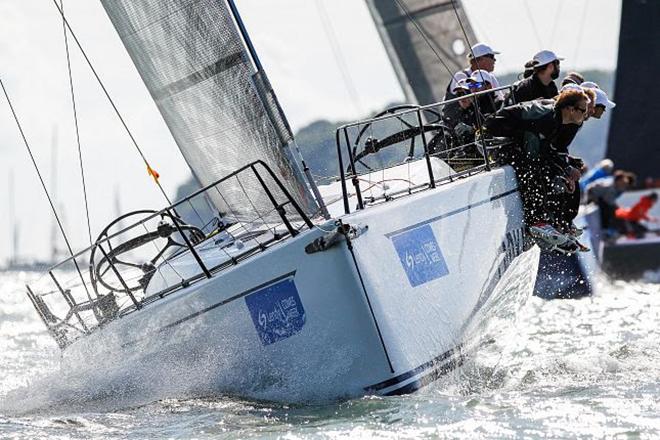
(221,110)
(413,31)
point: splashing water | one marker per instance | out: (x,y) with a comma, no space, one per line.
(571,368)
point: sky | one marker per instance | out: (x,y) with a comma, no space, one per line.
(295,45)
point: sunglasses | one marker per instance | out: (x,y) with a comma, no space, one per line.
(476,85)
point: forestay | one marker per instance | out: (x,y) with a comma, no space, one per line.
(415,33)
(221,111)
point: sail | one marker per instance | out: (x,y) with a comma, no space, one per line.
(413,31)
(221,111)
(633,138)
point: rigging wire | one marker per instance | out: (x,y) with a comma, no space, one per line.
(531,20)
(580,33)
(43,185)
(424,37)
(75,120)
(554,24)
(339,59)
(475,101)
(150,170)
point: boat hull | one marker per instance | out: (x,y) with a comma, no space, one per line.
(384,312)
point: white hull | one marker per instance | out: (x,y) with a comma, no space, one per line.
(387,315)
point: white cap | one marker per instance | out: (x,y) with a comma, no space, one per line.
(462,84)
(570,86)
(602,99)
(590,85)
(481,75)
(545,57)
(481,49)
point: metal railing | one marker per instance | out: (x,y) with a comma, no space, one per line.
(406,124)
(119,273)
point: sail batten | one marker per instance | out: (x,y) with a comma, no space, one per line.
(415,33)
(221,111)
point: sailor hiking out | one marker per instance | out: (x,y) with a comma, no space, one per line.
(542,131)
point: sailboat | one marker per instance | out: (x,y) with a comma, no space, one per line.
(377,283)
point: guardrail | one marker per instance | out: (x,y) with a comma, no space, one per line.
(161,253)
(404,125)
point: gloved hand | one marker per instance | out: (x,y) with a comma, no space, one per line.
(461,129)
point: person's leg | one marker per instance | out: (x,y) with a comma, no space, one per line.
(606,214)
(638,229)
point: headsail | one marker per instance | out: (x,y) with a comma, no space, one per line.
(221,111)
(633,137)
(422,76)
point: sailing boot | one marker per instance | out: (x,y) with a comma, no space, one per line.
(547,235)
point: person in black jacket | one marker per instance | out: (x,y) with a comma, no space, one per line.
(541,131)
(540,84)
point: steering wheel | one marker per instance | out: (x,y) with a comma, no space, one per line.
(373,145)
(111,258)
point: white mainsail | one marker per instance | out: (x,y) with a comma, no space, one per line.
(221,111)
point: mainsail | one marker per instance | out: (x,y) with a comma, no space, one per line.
(221,111)
(415,33)
(633,137)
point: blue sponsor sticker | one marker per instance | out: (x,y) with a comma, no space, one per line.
(420,255)
(276,310)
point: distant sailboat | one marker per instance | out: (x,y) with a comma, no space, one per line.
(269,298)
(16,262)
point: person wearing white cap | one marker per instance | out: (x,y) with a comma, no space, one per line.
(540,84)
(602,103)
(481,56)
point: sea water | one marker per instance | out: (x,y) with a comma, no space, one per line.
(571,368)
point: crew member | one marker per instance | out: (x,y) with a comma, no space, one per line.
(481,56)
(604,193)
(541,83)
(630,218)
(602,170)
(539,131)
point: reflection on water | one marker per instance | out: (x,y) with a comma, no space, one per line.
(573,368)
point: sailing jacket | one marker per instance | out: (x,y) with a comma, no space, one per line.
(639,211)
(532,88)
(536,127)
(603,190)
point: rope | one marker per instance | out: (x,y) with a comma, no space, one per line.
(580,33)
(150,170)
(423,34)
(341,62)
(554,24)
(531,20)
(75,120)
(43,185)
(475,101)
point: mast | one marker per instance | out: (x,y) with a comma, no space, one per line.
(633,138)
(13,224)
(261,71)
(53,190)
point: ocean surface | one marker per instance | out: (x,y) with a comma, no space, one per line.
(570,369)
